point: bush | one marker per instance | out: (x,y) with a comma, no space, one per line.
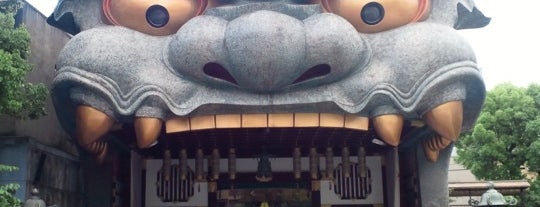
(7,192)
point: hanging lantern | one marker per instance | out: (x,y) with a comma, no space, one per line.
(329,163)
(215,164)
(346,162)
(199,165)
(183,164)
(210,166)
(264,167)
(297,163)
(232,164)
(314,163)
(362,169)
(167,165)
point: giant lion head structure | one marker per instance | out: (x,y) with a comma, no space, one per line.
(176,62)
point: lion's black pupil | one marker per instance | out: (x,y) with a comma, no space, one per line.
(372,13)
(157,16)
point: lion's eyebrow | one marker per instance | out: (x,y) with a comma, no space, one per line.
(73,16)
(470,19)
(62,17)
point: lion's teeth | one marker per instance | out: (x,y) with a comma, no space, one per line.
(356,122)
(284,120)
(254,120)
(446,119)
(91,124)
(99,149)
(332,120)
(202,122)
(178,124)
(431,154)
(388,128)
(280,120)
(228,121)
(433,146)
(442,143)
(147,131)
(306,120)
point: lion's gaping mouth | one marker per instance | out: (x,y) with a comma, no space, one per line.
(445,119)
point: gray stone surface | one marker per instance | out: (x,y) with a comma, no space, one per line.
(405,68)
(266,47)
(434,178)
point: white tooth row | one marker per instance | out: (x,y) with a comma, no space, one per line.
(287,120)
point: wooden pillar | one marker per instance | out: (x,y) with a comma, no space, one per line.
(392,194)
(97,181)
(316,193)
(136,179)
(212,194)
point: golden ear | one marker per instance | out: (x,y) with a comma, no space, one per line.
(154,17)
(370,16)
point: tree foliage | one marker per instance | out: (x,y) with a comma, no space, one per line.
(505,142)
(18,98)
(7,191)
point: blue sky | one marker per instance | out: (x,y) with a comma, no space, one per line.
(507,49)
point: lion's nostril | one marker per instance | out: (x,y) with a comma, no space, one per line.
(314,72)
(372,13)
(157,16)
(217,71)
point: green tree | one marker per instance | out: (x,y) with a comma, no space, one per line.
(6,191)
(505,139)
(18,98)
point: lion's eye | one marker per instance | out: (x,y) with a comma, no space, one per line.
(154,17)
(370,16)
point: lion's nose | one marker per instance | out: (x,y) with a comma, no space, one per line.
(267,51)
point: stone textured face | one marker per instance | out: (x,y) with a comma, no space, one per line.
(268,56)
(273,56)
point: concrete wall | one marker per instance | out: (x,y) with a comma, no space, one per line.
(23,143)
(55,173)
(46,43)
(13,152)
